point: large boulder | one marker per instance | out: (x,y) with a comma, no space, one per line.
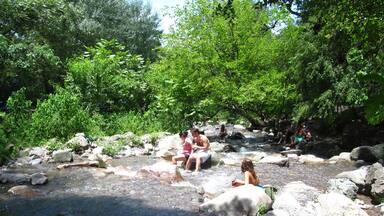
(64,155)
(216,185)
(163,170)
(336,204)
(167,146)
(343,186)
(39,178)
(370,154)
(295,199)
(243,200)
(17,178)
(357,176)
(375,178)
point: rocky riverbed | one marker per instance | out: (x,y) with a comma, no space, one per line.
(149,185)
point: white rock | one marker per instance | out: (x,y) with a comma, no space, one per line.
(148,147)
(310,159)
(163,170)
(357,176)
(64,155)
(243,200)
(292,157)
(239,127)
(295,199)
(36,161)
(98,150)
(336,204)
(38,179)
(38,151)
(275,159)
(217,147)
(215,185)
(343,186)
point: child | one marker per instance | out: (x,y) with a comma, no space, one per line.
(250,176)
(187,148)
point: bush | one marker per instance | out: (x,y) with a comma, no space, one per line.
(17,119)
(61,116)
(137,123)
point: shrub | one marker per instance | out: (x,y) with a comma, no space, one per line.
(137,123)
(17,119)
(61,116)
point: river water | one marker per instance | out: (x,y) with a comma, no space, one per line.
(89,191)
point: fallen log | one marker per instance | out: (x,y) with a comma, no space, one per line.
(79,164)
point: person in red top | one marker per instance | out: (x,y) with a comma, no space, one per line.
(187,148)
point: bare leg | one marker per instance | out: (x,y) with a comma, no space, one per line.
(198,163)
(178,158)
(189,161)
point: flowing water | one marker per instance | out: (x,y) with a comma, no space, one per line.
(89,191)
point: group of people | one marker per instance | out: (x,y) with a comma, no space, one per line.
(295,136)
(196,150)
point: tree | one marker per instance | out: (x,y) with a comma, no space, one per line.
(221,57)
(131,23)
(109,79)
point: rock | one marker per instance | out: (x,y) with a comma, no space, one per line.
(229,148)
(293,157)
(39,178)
(370,154)
(165,154)
(36,161)
(62,155)
(336,204)
(344,156)
(78,143)
(164,171)
(148,147)
(121,171)
(98,150)
(217,147)
(243,200)
(278,160)
(169,142)
(375,178)
(310,159)
(215,185)
(236,136)
(17,178)
(239,127)
(295,198)
(38,152)
(79,164)
(291,151)
(24,191)
(357,176)
(23,160)
(343,186)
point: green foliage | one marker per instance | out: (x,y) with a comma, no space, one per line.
(109,79)
(113,148)
(17,120)
(137,123)
(29,65)
(131,23)
(375,105)
(218,59)
(61,116)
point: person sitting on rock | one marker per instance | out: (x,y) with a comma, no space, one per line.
(308,135)
(298,138)
(223,133)
(187,148)
(250,176)
(200,154)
